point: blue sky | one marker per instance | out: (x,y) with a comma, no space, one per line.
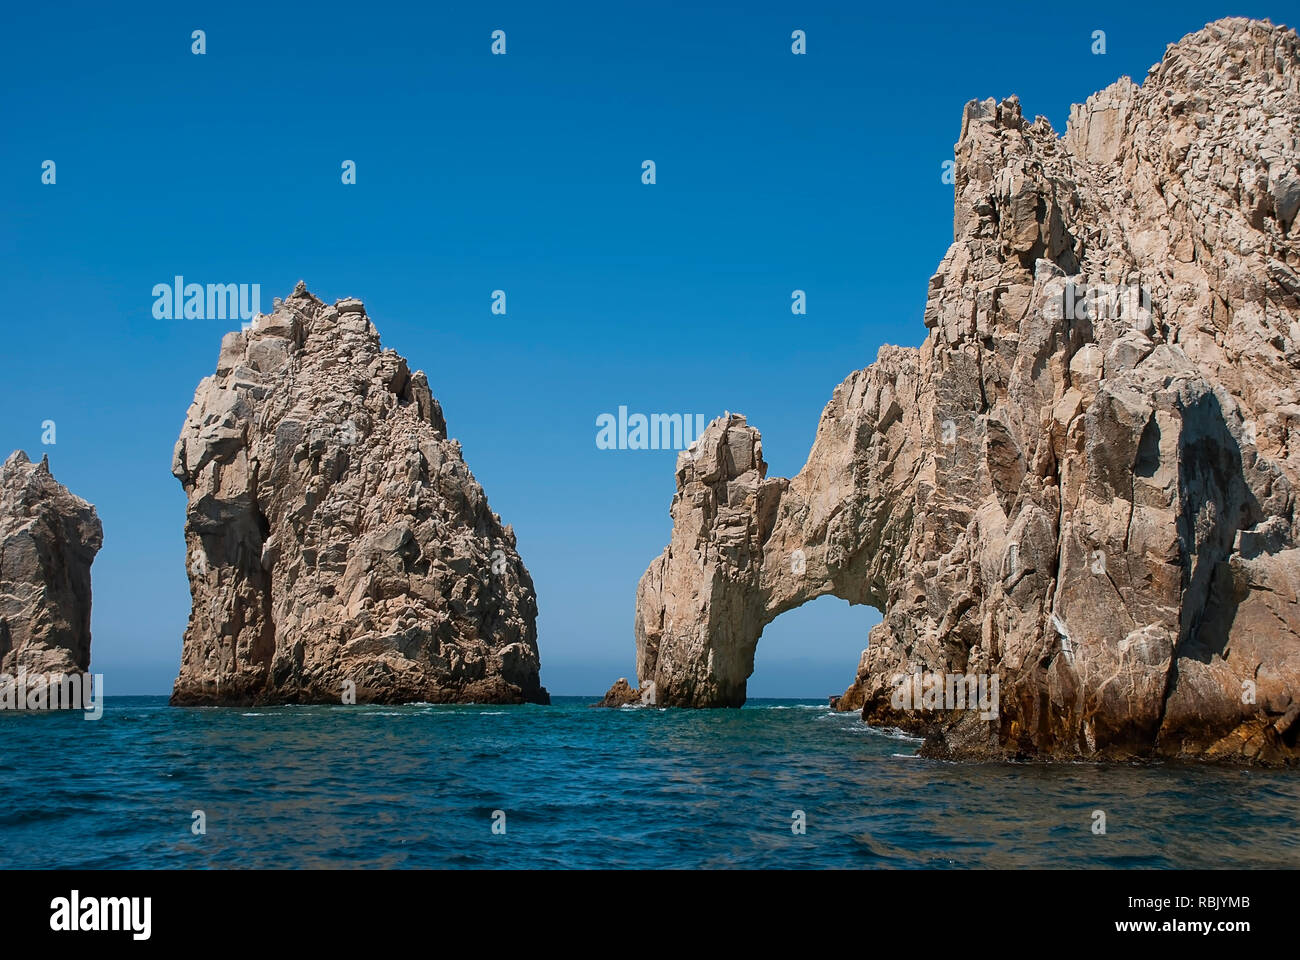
(522,173)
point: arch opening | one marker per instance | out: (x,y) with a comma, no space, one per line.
(811,651)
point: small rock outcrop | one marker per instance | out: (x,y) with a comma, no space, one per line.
(1083,483)
(337,544)
(621,694)
(48,541)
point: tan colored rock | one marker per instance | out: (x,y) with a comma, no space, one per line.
(621,694)
(336,541)
(48,541)
(1092,499)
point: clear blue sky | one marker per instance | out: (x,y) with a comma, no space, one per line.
(523,173)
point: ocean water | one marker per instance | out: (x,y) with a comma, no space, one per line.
(421,786)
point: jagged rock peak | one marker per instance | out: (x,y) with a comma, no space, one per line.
(48,541)
(1083,483)
(337,543)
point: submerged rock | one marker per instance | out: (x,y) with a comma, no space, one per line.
(337,544)
(48,541)
(1083,484)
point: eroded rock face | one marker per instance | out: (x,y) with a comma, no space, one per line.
(1083,482)
(48,540)
(335,537)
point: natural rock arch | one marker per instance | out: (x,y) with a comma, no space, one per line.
(1090,497)
(745,550)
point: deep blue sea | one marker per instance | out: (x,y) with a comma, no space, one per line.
(569,786)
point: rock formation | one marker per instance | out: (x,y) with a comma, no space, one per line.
(48,540)
(1083,483)
(621,694)
(337,543)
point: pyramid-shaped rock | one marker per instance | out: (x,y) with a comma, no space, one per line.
(337,543)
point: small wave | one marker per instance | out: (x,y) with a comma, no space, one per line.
(893,733)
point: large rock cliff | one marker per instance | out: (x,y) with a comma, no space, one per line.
(337,543)
(1084,481)
(48,540)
